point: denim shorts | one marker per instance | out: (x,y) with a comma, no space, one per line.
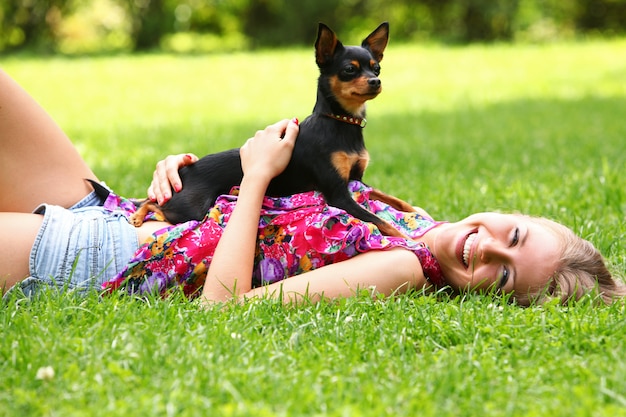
(79,248)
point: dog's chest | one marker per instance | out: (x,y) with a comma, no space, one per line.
(350,165)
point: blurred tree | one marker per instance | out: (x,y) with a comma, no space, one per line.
(150,21)
(441,15)
(30,24)
(488,20)
(283,22)
(205,25)
(603,16)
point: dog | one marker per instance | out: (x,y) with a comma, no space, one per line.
(329,152)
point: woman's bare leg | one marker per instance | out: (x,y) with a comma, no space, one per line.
(38,162)
(19,231)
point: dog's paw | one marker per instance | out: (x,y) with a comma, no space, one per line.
(136,219)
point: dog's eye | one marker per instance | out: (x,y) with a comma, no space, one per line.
(376,70)
(350,70)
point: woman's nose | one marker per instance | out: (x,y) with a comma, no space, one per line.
(492,250)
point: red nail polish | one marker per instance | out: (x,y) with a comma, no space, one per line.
(295,120)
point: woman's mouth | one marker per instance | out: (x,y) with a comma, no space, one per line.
(467,248)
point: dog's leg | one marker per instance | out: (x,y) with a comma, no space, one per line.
(391,200)
(136,219)
(388,230)
(340,197)
(333,183)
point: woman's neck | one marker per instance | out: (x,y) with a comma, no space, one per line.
(430,236)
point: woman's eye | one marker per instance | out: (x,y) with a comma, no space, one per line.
(515,238)
(505,277)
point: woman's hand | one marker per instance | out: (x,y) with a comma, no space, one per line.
(267,154)
(165,176)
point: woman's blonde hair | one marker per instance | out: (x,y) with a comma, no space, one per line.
(582,270)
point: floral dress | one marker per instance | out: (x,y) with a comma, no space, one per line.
(297,234)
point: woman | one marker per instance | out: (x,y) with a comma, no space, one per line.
(524,256)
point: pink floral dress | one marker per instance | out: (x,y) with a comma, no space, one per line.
(297,234)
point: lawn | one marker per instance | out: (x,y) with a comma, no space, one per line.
(539,129)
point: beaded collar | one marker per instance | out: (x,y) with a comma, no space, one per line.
(348,119)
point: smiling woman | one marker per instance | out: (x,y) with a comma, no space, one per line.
(531,257)
(510,252)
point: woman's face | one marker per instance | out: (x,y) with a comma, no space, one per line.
(509,252)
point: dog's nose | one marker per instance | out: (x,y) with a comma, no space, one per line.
(374,82)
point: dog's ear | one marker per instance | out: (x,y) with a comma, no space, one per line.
(376,42)
(326,45)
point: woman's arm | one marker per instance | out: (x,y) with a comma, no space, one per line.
(381,271)
(262,158)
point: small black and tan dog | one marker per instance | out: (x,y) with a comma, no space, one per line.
(328,153)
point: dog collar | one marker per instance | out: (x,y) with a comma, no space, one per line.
(348,119)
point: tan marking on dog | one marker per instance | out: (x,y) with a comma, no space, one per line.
(364,160)
(136,219)
(353,94)
(345,162)
(391,200)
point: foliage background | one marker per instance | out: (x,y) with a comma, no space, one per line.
(105,26)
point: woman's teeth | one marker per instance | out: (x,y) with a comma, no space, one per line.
(467,247)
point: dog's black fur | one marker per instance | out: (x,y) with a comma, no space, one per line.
(328,152)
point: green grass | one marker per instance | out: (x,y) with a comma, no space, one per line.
(532,128)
